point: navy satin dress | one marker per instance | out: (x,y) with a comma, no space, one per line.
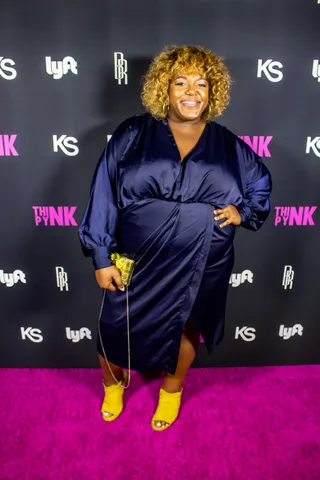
(147,204)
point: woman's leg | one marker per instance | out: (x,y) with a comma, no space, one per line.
(188,347)
(107,376)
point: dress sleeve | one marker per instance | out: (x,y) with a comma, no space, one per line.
(97,231)
(257,185)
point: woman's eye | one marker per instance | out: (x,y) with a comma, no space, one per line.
(179,84)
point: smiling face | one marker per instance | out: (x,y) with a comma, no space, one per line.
(188,98)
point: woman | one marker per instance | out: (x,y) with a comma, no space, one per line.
(168,192)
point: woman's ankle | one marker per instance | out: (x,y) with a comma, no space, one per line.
(172,386)
(109,380)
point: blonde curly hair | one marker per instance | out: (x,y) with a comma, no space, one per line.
(175,61)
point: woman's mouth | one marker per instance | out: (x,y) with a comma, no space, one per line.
(189,103)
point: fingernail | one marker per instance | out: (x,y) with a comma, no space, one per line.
(214,211)
(216,218)
(122,288)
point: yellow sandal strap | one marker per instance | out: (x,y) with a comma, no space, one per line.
(168,406)
(112,402)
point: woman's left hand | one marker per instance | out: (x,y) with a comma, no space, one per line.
(230,213)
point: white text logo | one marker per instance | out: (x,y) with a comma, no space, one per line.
(246,333)
(237,278)
(58,69)
(120,68)
(287,279)
(270,67)
(287,332)
(316,69)
(7,72)
(314,144)
(62,279)
(77,335)
(63,142)
(33,334)
(9,279)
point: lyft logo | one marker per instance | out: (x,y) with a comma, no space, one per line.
(60,68)
(237,278)
(66,144)
(316,69)
(270,69)
(314,144)
(289,216)
(259,144)
(6,70)
(289,332)
(10,279)
(52,216)
(7,148)
(77,335)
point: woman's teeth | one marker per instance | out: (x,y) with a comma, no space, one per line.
(190,104)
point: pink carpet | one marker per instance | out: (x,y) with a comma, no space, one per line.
(253,423)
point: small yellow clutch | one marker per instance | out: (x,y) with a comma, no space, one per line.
(125,265)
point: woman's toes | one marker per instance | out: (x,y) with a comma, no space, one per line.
(107,414)
(160,424)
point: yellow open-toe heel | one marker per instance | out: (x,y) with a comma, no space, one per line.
(113,399)
(167,410)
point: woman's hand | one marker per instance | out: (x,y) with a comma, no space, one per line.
(230,213)
(106,277)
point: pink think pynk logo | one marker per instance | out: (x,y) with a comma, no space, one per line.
(7,146)
(290,216)
(52,216)
(259,144)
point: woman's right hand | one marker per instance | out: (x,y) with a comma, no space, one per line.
(107,277)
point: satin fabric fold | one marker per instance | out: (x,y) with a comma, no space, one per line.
(147,204)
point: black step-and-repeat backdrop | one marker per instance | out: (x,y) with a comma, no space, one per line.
(70,72)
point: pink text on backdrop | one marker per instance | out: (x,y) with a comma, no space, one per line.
(7,148)
(290,216)
(52,216)
(259,144)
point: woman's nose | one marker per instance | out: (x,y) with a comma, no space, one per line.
(190,90)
